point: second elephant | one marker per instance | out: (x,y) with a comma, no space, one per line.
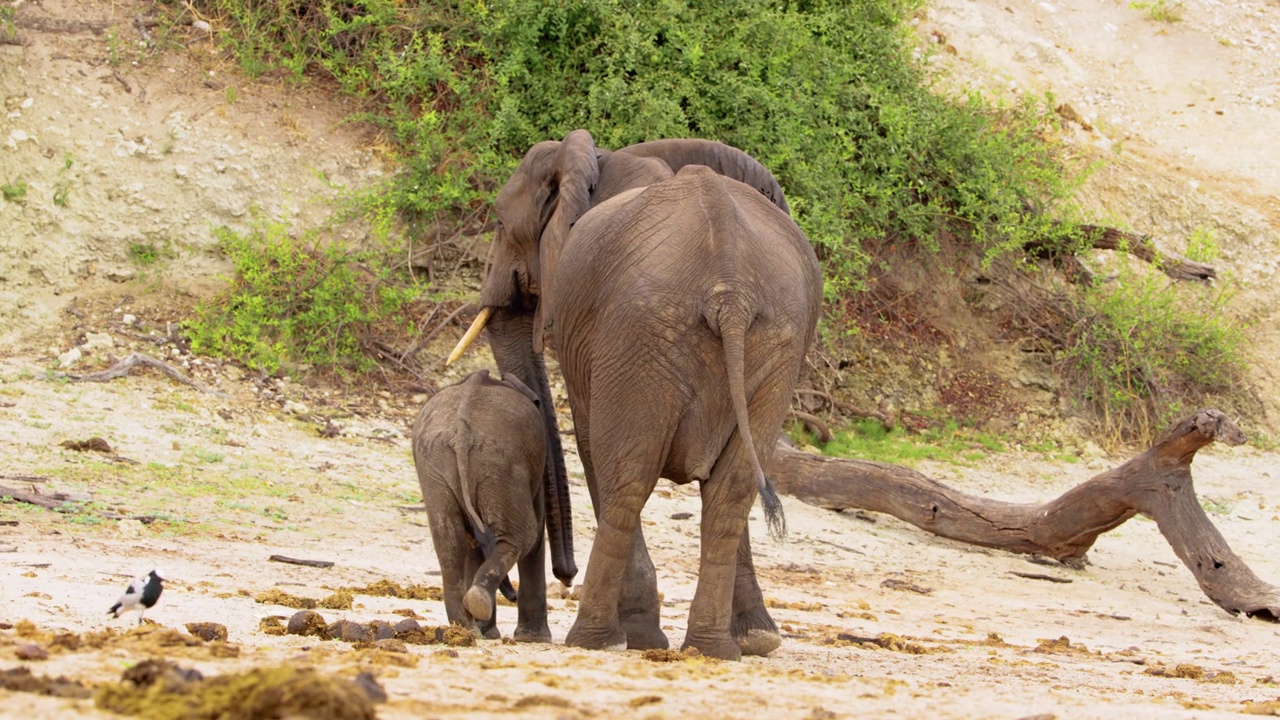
(479,448)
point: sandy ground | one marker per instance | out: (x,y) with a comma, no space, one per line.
(232,479)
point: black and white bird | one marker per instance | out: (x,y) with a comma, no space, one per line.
(141,595)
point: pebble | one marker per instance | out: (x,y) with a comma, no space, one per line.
(69,358)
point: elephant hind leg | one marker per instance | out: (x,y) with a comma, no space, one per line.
(752,627)
(727,497)
(479,599)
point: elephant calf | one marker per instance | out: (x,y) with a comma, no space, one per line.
(479,448)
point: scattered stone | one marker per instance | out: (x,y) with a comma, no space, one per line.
(31,651)
(96,444)
(369,684)
(20,679)
(348,631)
(208,631)
(69,358)
(308,623)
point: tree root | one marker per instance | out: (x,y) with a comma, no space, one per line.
(1157,483)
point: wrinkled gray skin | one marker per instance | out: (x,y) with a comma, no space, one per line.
(480,448)
(680,298)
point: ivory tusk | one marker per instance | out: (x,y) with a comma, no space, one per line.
(470,335)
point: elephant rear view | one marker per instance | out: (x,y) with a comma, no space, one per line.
(480,448)
(680,298)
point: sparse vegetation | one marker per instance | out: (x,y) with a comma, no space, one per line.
(298,300)
(15,191)
(942,441)
(1159,10)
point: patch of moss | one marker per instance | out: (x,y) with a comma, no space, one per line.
(280,597)
(387,588)
(340,600)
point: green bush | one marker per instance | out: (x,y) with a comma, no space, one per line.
(1142,352)
(826,94)
(296,301)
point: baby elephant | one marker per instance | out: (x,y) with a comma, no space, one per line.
(479,447)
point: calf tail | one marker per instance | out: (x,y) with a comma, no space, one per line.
(463,442)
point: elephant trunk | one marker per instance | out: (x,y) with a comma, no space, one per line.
(511,340)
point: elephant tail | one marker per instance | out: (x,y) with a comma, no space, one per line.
(462,443)
(730,318)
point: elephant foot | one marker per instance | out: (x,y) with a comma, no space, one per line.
(646,635)
(720,648)
(756,632)
(479,603)
(532,634)
(759,642)
(491,633)
(613,639)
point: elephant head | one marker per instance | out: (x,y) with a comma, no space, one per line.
(555,184)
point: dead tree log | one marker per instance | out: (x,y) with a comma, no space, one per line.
(1156,483)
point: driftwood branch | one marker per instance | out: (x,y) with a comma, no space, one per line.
(55,501)
(1157,483)
(135,360)
(1143,248)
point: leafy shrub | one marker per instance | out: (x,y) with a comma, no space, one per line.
(826,94)
(296,301)
(1138,351)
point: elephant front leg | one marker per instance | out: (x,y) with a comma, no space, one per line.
(753,628)
(639,606)
(531,599)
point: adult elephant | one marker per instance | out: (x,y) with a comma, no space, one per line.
(680,298)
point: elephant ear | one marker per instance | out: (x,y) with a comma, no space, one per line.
(724,159)
(562,200)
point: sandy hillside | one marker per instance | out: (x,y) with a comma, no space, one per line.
(210,484)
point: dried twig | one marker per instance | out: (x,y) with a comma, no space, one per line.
(1040,576)
(296,561)
(127,365)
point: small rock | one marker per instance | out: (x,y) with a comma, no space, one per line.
(349,631)
(382,630)
(69,358)
(97,341)
(307,622)
(294,407)
(208,631)
(128,319)
(31,651)
(371,688)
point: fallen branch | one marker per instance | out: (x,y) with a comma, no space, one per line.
(296,561)
(135,360)
(56,501)
(815,425)
(1157,483)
